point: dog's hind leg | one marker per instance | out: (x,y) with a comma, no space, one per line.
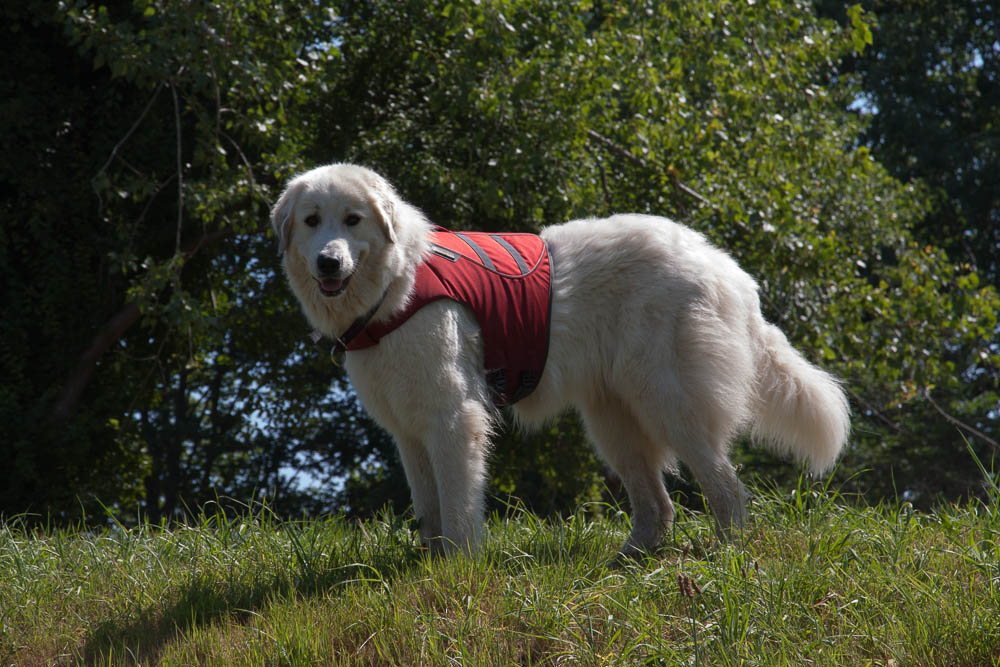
(718,481)
(639,462)
(697,409)
(701,444)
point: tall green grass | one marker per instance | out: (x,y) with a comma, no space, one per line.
(814,579)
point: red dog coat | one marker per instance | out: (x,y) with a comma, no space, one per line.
(506,280)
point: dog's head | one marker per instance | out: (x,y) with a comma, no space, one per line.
(329,219)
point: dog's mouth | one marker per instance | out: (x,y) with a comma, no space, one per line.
(332,286)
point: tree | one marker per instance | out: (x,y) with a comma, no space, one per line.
(929,96)
(930,86)
(141,298)
(191,377)
(726,116)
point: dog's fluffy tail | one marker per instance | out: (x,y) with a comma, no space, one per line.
(801,411)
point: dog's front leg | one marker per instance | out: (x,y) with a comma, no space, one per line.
(458,444)
(423,488)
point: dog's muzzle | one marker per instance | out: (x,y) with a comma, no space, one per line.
(331,282)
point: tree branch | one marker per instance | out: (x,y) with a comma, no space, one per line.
(80,378)
(872,409)
(960,424)
(180,167)
(114,151)
(69,400)
(636,160)
(604,179)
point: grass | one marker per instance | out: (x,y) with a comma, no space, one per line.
(814,579)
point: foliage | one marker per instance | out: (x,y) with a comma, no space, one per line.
(151,137)
(930,85)
(928,97)
(151,208)
(714,115)
(813,580)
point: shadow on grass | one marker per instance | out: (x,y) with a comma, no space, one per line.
(207,598)
(589,542)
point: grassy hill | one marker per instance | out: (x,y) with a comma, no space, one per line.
(814,579)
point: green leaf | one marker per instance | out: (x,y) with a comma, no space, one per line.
(861,34)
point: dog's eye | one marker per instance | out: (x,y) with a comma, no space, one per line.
(312,220)
(352,219)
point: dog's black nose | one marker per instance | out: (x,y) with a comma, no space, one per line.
(328,266)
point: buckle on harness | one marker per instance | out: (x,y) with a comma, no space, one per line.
(337,353)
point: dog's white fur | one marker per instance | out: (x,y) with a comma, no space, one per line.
(657,339)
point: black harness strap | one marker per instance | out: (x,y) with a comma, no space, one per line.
(342,341)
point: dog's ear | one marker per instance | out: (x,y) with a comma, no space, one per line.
(382,198)
(281,216)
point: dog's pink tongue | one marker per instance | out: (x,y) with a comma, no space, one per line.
(332,284)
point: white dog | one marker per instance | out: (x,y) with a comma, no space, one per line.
(656,338)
